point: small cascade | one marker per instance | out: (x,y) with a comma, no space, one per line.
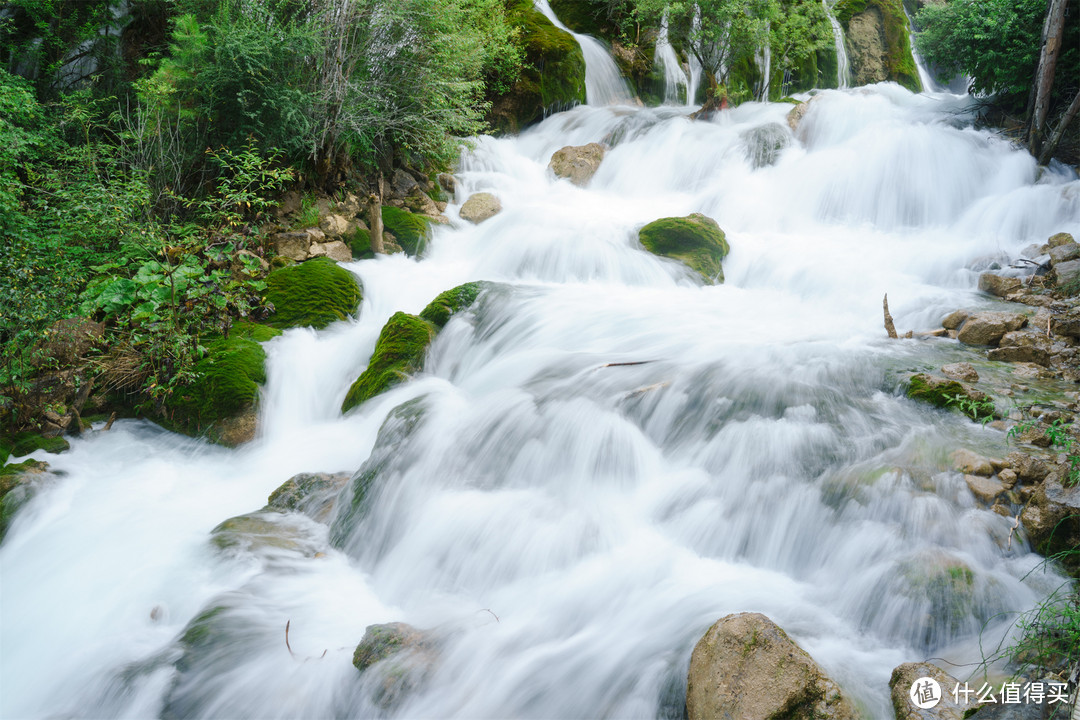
(695,65)
(764,63)
(604,84)
(843,66)
(927,80)
(676,82)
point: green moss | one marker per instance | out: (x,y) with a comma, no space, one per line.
(280,261)
(399,351)
(313,293)
(410,230)
(581,16)
(360,243)
(25,443)
(950,394)
(440,309)
(16,490)
(553,76)
(695,240)
(226,381)
(899,62)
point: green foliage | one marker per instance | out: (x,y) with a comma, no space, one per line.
(951,395)
(797,34)
(996,42)
(452,301)
(695,240)
(246,183)
(314,293)
(399,351)
(978,409)
(410,230)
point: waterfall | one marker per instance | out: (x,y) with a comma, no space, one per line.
(676,82)
(598,460)
(604,84)
(843,67)
(764,63)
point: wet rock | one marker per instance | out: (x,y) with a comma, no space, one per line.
(447,182)
(1029,469)
(960,371)
(950,394)
(955,319)
(293,245)
(310,493)
(577,163)
(1030,371)
(746,667)
(19,482)
(479,207)
(334,226)
(764,144)
(966,461)
(395,659)
(419,202)
(987,328)
(1067,274)
(264,533)
(796,114)
(1064,253)
(696,240)
(1022,346)
(997,285)
(984,488)
(1067,323)
(1008,477)
(1052,520)
(1059,239)
(399,352)
(905,676)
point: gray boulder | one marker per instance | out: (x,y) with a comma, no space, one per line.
(746,667)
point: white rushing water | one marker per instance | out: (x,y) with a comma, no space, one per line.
(843,66)
(570,527)
(604,85)
(676,81)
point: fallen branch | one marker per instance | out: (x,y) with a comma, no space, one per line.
(889,327)
(112,419)
(627,364)
(289,647)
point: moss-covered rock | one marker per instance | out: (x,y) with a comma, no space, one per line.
(313,494)
(452,301)
(313,293)
(18,483)
(877,33)
(399,351)
(695,240)
(224,393)
(553,75)
(360,244)
(25,443)
(950,394)
(411,231)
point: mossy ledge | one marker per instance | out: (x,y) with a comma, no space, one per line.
(409,229)
(695,240)
(226,385)
(313,293)
(404,341)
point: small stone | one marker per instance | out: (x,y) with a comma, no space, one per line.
(960,371)
(1028,468)
(447,182)
(1007,477)
(966,461)
(984,488)
(337,251)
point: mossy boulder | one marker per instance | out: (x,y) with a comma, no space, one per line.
(25,443)
(411,231)
(695,240)
(950,394)
(877,33)
(439,310)
(397,659)
(313,494)
(18,483)
(314,293)
(221,400)
(553,75)
(399,352)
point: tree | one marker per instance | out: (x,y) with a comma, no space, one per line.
(1052,36)
(799,30)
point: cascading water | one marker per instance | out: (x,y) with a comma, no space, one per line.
(676,82)
(843,66)
(604,85)
(568,526)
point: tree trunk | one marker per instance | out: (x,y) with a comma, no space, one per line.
(375,216)
(1053,29)
(1063,125)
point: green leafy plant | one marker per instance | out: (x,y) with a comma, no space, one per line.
(979,410)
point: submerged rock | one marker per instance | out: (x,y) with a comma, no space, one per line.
(310,493)
(695,240)
(904,678)
(480,207)
(313,294)
(395,659)
(577,163)
(746,667)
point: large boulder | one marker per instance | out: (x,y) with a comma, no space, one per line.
(221,400)
(451,302)
(1052,519)
(552,76)
(877,34)
(906,682)
(746,667)
(695,240)
(313,294)
(987,328)
(1064,253)
(577,163)
(1067,275)
(479,207)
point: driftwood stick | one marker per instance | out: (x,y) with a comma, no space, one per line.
(889,327)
